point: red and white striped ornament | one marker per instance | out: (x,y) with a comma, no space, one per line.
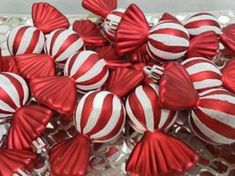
(202,22)
(14,93)
(88,70)
(213,120)
(168,40)
(111,22)
(203,73)
(25,40)
(100,116)
(145,113)
(153,154)
(62,43)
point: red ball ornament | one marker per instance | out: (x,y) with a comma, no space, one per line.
(25,40)
(87,69)
(167,40)
(203,73)
(62,43)
(213,120)
(202,22)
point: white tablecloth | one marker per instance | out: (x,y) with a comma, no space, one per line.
(71,7)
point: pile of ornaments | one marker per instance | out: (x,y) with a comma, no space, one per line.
(107,75)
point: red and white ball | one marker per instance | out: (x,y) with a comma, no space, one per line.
(213,120)
(144,110)
(100,116)
(62,43)
(167,41)
(203,73)
(25,40)
(14,93)
(111,22)
(202,22)
(88,70)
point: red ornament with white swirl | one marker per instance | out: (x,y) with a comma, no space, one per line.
(25,40)
(63,43)
(213,120)
(14,93)
(100,116)
(202,22)
(203,73)
(168,40)
(88,70)
(144,112)
(153,154)
(27,121)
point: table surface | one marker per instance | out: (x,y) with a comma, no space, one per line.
(72,7)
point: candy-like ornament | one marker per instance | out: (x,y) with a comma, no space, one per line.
(84,71)
(25,40)
(31,39)
(176,89)
(13,98)
(166,41)
(157,153)
(212,110)
(99,117)
(213,120)
(202,22)
(62,43)
(205,22)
